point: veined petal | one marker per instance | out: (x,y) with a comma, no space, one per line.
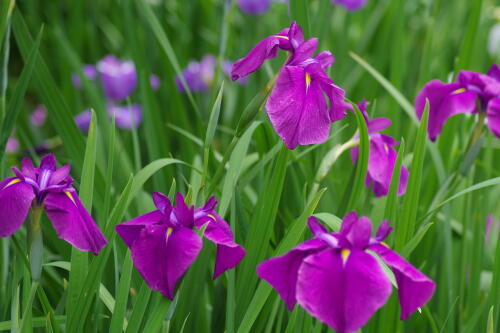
(297,108)
(48,162)
(281,272)
(445,100)
(264,50)
(493,116)
(229,253)
(162,202)
(304,51)
(342,288)
(27,168)
(73,222)
(414,288)
(129,231)
(335,94)
(162,256)
(325,59)
(16,197)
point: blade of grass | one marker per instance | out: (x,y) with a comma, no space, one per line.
(118,318)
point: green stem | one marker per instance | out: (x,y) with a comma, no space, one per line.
(35,242)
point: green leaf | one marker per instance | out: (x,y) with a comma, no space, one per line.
(392,197)
(118,322)
(406,225)
(17,98)
(332,221)
(413,243)
(156,318)
(139,309)
(299,10)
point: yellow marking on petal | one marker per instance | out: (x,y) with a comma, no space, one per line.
(169,232)
(345,253)
(308,81)
(70,196)
(386,147)
(385,244)
(458,91)
(284,37)
(12,182)
(212,217)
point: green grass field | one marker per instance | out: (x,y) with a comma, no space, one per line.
(220,142)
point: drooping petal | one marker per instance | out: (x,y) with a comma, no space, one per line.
(129,231)
(335,95)
(229,253)
(342,288)
(72,221)
(493,116)
(281,272)
(162,256)
(16,197)
(297,108)
(414,288)
(378,124)
(254,7)
(445,100)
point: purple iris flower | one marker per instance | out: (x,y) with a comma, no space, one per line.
(198,75)
(126,117)
(118,77)
(382,156)
(350,5)
(471,93)
(90,73)
(297,106)
(254,7)
(38,116)
(52,188)
(155,81)
(338,280)
(163,243)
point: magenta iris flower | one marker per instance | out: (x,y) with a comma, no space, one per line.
(471,93)
(50,187)
(90,73)
(350,5)
(382,156)
(118,77)
(297,107)
(164,244)
(338,280)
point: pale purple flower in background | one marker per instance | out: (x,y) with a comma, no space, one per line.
(83,119)
(254,7)
(126,116)
(52,188)
(198,75)
(90,73)
(336,278)
(350,5)
(119,78)
(38,116)
(12,145)
(155,81)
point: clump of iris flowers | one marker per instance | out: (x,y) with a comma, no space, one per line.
(297,106)
(51,188)
(163,243)
(337,278)
(471,93)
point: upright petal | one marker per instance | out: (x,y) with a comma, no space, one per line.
(494,72)
(73,222)
(129,231)
(48,162)
(162,202)
(383,231)
(229,254)
(16,197)
(342,289)
(303,51)
(445,100)
(163,256)
(281,272)
(297,108)
(357,230)
(414,288)
(183,213)
(493,116)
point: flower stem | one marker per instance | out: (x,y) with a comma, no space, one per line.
(35,242)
